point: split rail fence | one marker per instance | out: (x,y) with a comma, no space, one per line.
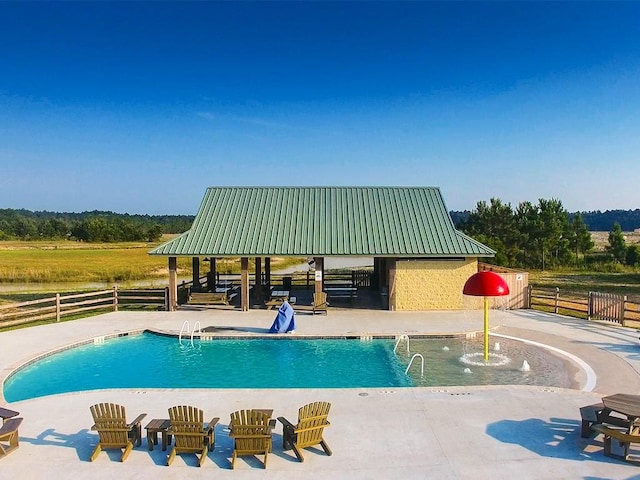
(79,304)
(621,309)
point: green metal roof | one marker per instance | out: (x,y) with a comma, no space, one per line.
(323,221)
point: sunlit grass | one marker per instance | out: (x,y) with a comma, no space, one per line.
(625,283)
(67,261)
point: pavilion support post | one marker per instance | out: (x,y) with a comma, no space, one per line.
(173,283)
(267,272)
(211,275)
(244,284)
(195,268)
(375,279)
(258,276)
(319,275)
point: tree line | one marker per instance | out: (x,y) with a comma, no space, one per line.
(596,220)
(542,235)
(94,226)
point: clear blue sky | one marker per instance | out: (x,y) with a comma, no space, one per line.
(138,107)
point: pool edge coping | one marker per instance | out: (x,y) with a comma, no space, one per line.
(589,384)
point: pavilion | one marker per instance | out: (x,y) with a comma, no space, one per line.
(420,260)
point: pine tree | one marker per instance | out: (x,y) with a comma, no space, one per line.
(617,244)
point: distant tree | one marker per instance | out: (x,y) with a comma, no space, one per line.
(633,255)
(554,221)
(580,240)
(154,233)
(529,226)
(25,228)
(617,244)
(494,225)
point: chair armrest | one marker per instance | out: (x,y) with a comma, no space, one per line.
(272,424)
(286,423)
(137,420)
(212,423)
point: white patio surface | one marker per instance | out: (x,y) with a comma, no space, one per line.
(449,432)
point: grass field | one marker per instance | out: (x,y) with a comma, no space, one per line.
(66,261)
(627,283)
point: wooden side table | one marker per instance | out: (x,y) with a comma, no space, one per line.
(6,414)
(155,426)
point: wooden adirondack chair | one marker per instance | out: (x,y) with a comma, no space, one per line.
(110,421)
(251,432)
(320,302)
(312,419)
(190,433)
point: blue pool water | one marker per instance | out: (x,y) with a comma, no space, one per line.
(155,361)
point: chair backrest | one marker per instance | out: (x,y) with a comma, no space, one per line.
(110,421)
(187,426)
(320,299)
(312,418)
(251,430)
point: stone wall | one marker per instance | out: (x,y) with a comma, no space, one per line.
(433,284)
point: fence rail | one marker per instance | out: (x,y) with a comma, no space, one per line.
(59,306)
(621,309)
(305,280)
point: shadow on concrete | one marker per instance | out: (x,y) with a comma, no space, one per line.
(83,441)
(557,438)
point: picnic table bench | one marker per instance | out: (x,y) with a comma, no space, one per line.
(596,414)
(210,298)
(342,292)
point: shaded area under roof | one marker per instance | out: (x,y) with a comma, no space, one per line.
(323,221)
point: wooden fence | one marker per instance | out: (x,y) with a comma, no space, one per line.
(302,280)
(59,306)
(621,309)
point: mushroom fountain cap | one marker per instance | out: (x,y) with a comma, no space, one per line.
(486,284)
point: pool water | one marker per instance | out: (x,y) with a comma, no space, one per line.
(450,362)
(155,361)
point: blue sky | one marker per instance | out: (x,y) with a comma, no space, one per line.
(138,107)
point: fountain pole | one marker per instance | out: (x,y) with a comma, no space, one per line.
(486,329)
(486,284)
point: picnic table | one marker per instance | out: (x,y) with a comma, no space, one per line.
(278,297)
(627,405)
(617,442)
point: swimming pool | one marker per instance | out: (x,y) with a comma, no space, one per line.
(148,360)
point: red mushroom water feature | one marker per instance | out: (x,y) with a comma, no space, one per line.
(486,284)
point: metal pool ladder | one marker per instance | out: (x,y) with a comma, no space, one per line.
(196,325)
(186,329)
(400,338)
(416,355)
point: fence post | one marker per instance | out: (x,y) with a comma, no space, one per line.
(589,305)
(529,295)
(57,307)
(623,308)
(166,299)
(555,309)
(115,298)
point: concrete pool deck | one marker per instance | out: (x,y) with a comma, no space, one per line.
(443,432)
